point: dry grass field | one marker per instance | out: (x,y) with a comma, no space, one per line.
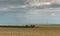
(41,31)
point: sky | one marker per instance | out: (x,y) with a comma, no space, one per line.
(29,12)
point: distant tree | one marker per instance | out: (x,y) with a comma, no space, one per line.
(26,25)
(32,26)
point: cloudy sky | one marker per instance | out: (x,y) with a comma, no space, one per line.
(25,12)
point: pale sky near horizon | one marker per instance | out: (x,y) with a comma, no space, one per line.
(21,11)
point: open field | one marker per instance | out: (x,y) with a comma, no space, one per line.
(41,30)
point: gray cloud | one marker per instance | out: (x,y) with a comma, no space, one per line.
(3,0)
(10,4)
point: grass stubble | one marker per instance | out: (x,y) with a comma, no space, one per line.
(37,31)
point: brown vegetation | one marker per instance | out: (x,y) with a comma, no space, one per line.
(31,31)
(28,32)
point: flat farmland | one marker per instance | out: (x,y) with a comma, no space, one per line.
(42,30)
